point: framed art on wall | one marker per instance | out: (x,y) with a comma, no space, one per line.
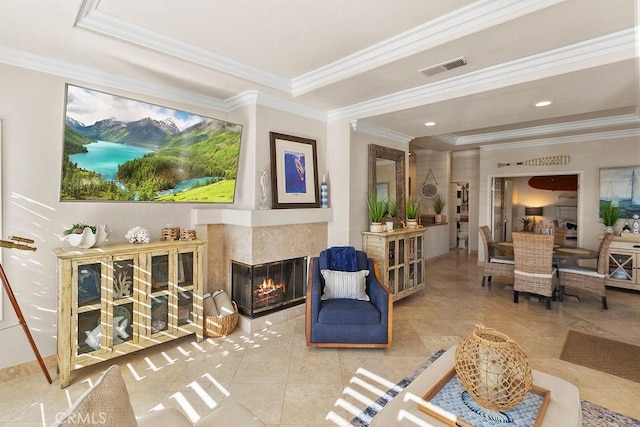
(120,149)
(622,186)
(294,172)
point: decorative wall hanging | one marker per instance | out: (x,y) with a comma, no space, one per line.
(541,161)
(121,149)
(429,190)
(294,172)
(621,185)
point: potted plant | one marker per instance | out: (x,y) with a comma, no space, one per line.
(413,210)
(84,236)
(377,209)
(527,223)
(392,213)
(610,213)
(438,207)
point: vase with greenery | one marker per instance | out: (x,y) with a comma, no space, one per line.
(392,213)
(438,207)
(413,210)
(377,209)
(527,223)
(610,213)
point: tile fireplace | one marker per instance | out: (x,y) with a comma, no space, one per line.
(266,288)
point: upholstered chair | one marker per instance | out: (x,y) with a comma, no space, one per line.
(588,279)
(494,265)
(346,304)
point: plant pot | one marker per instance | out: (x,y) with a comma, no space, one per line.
(438,218)
(608,229)
(375,227)
(412,223)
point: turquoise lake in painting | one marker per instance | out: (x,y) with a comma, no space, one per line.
(104,157)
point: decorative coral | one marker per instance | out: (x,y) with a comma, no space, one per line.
(137,235)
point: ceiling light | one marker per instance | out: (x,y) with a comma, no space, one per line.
(430,124)
(543,103)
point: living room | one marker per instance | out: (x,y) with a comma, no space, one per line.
(32,106)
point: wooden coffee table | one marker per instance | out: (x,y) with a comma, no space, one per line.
(564,407)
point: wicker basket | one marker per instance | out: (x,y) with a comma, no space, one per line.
(188,234)
(493,369)
(219,326)
(170,233)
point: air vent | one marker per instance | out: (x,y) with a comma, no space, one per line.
(444,66)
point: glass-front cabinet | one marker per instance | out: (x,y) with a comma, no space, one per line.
(400,258)
(117,299)
(622,263)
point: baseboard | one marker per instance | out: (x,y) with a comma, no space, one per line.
(28,368)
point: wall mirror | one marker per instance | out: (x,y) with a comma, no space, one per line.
(387,174)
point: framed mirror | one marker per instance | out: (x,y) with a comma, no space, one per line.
(387,173)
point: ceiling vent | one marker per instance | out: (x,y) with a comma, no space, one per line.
(444,66)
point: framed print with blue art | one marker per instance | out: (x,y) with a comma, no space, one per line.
(294,172)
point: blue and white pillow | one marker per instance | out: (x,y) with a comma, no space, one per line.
(345,284)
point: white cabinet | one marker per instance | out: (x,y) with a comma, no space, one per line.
(117,299)
(623,260)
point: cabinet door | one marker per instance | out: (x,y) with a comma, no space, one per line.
(124,316)
(160,300)
(188,288)
(621,267)
(89,308)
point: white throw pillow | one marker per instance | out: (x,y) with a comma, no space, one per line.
(345,284)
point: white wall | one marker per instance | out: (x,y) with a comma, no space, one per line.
(586,159)
(32,111)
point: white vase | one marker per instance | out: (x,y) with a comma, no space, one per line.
(375,227)
(438,218)
(412,223)
(608,229)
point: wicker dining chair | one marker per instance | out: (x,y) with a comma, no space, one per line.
(590,280)
(534,271)
(559,235)
(494,265)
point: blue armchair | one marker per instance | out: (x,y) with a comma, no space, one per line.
(345,322)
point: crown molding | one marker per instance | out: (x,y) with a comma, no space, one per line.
(368,128)
(92,19)
(610,48)
(475,17)
(597,136)
(466,153)
(578,125)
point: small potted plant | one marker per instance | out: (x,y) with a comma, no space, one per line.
(392,213)
(610,213)
(527,223)
(438,207)
(84,236)
(377,209)
(413,210)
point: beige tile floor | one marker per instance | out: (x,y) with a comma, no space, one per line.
(285,383)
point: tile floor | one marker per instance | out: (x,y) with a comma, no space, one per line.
(285,383)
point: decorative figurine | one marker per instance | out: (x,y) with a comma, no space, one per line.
(636,225)
(626,228)
(263,184)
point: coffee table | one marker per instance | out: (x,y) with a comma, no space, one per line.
(564,407)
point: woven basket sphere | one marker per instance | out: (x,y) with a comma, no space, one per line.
(493,369)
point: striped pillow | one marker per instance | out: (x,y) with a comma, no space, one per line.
(345,284)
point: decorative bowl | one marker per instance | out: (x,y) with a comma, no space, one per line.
(86,239)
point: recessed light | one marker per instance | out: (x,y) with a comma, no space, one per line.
(543,103)
(430,124)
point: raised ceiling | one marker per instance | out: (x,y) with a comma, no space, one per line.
(354,60)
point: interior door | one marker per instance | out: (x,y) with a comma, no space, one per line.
(498,216)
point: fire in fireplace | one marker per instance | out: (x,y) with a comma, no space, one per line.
(265,288)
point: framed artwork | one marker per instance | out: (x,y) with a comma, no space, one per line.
(294,172)
(621,185)
(120,149)
(160,272)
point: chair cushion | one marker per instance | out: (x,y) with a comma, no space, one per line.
(342,258)
(348,312)
(585,271)
(537,275)
(106,403)
(343,284)
(502,260)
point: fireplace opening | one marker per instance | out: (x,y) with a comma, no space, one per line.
(265,288)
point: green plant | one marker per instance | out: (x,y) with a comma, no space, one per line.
(610,213)
(79,227)
(527,222)
(392,208)
(377,208)
(413,208)
(438,204)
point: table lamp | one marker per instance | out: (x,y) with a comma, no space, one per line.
(534,212)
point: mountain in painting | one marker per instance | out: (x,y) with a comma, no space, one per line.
(146,132)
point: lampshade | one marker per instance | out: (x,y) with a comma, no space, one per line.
(533,211)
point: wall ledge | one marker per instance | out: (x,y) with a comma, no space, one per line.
(260,218)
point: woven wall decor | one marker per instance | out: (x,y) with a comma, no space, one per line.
(493,369)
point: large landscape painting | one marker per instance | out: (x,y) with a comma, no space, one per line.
(117,148)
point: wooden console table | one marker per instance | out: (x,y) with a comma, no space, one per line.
(400,257)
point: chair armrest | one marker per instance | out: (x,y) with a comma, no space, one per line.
(378,294)
(314,288)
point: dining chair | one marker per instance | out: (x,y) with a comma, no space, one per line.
(534,271)
(559,235)
(494,265)
(588,279)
